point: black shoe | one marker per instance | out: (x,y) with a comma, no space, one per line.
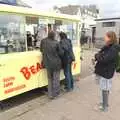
(52,98)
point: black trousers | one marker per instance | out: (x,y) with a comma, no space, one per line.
(53,83)
(105,95)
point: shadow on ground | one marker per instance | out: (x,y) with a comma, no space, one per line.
(21,99)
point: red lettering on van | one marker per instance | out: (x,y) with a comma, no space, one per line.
(32,70)
(25,71)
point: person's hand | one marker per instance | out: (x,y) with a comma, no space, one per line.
(97,56)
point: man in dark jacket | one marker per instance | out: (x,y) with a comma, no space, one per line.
(29,39)
(67,60)
(51,50)
(82,38)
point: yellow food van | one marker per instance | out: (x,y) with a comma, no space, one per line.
(21,30)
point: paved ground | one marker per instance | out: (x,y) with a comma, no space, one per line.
(87,68)
(77,105)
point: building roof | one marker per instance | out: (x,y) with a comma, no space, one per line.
(103,19)
(21,3)
(73,9)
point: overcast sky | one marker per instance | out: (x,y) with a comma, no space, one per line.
(108,8)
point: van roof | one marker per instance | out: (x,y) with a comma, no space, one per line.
(30,11)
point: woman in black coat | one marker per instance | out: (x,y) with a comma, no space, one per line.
(105,67)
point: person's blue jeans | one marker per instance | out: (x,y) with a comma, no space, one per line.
(69,83)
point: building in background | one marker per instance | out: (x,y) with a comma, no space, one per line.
(87,13)
(104,25)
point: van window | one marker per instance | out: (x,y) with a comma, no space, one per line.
(12,34)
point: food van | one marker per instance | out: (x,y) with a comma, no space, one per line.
(21,67)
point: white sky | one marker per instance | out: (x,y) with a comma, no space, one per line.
(108,8)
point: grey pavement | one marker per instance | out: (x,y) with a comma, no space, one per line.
(87,67)
(81,104)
